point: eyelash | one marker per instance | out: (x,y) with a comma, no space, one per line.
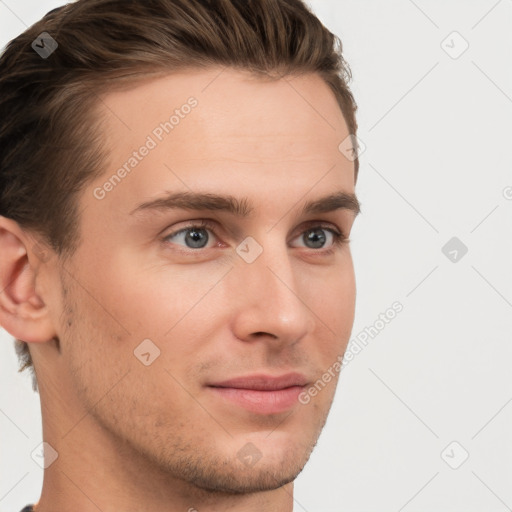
(339,239)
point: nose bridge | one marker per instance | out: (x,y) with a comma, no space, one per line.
(270,300)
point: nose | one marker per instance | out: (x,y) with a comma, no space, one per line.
(270,303)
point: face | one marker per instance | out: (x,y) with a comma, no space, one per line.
(190,325)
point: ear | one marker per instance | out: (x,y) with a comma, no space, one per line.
(22,312)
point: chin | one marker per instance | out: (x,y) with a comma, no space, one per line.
(259,463)
(245,464)
(258,478)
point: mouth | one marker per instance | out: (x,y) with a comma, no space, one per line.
(261,394)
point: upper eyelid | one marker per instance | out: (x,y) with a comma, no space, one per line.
(193,224)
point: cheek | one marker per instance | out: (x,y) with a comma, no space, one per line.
(345,301)
(332,301)
(151,300)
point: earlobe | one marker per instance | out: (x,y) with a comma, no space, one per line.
(23,313)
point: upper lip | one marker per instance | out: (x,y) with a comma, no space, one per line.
(261,382)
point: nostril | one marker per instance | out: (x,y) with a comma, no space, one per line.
(262,333)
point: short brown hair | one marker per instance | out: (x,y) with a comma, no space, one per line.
(50,145)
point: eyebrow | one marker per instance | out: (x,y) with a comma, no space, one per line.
(242,207)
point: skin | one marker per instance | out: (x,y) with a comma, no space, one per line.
(142,438)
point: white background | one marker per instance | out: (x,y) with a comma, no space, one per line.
(437,132)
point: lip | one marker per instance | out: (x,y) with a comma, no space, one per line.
(262,394)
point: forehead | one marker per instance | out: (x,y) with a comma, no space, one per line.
(231,90)
(223,128)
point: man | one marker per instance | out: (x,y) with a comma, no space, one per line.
(177,193)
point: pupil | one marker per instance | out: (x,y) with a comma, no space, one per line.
(317,236)
(198,238)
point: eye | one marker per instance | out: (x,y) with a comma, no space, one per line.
(316,237)
(194,236)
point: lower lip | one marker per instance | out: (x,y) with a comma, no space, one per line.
(261,402)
